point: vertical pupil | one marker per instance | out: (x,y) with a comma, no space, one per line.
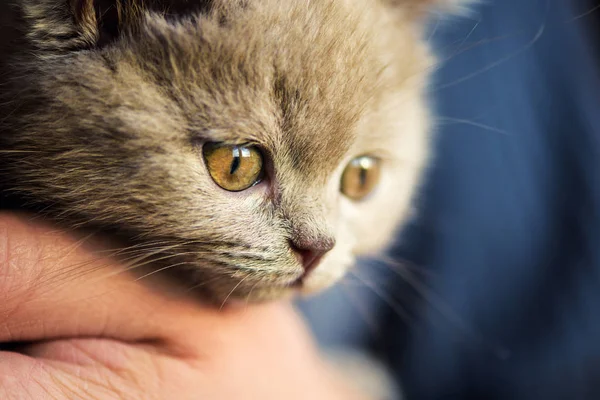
(235,163)
(362,176)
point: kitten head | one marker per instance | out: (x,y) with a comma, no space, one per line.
(250,147)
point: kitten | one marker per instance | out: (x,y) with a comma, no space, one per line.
(251,148)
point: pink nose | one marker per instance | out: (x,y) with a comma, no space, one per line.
(311,252)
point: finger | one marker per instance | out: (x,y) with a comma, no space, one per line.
(54,285)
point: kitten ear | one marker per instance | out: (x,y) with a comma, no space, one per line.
(67,25)
(70,25)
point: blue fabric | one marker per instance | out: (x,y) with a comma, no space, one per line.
(504,258)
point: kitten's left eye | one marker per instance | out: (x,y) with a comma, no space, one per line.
(360,177)
(234,168)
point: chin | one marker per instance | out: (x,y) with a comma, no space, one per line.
(312,288)
(309,287)
(323,279)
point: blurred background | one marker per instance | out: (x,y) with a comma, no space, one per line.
(493,291)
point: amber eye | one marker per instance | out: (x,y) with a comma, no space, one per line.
(234,168)
(360,177)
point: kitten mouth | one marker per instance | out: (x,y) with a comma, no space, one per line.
(309,263)
(299,283)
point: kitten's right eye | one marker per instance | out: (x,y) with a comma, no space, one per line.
(234,168)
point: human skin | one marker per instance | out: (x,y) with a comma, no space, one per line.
(92,331)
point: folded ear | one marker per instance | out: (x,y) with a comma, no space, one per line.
(64,25)
(68,25)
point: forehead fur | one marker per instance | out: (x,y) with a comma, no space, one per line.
(294,77)
(297,78)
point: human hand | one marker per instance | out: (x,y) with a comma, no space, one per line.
(88,330)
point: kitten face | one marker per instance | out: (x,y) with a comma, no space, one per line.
(112,135)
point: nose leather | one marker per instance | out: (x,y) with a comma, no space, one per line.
(311,252)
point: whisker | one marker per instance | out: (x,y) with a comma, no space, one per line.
(141,246)
(406,265)
(584,14)
(79,270)
(203,283)
(161,258)
(18,151)
(439,305)
(80,267)
(233,290)
(468,35)
(163,269)
(249,295)
(366,315)
(425,292)
(392,303)
(495,64)
(434,30)
(473,123)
